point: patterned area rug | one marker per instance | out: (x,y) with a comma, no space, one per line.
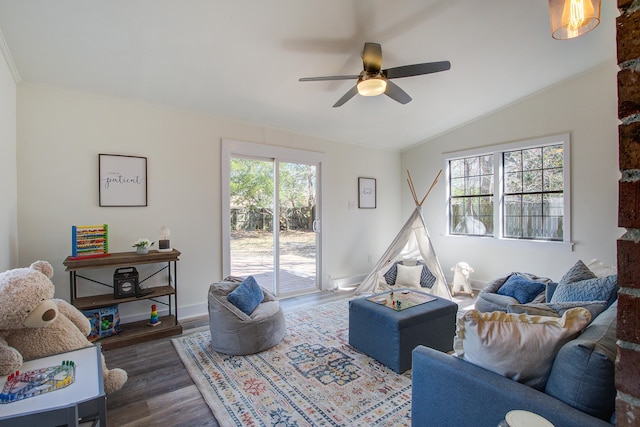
(312,378)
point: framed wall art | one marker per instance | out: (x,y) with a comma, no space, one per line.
(366,193)
(122,180)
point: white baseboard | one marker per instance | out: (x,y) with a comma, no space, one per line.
(194,310)
(347,282)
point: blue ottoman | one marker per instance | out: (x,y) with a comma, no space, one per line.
(389,336)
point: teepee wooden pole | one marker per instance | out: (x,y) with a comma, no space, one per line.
(430,188)
(412,188)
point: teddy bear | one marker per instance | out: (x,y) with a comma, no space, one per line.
(461,270)
(33,324)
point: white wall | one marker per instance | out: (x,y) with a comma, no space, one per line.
(586,107)
(8,174)
(60,134)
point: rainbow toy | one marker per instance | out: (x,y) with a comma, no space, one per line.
(153,321)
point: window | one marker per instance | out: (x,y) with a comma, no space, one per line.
(471,201)
(533,193)
(512,191)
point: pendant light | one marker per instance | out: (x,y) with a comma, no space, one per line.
(573,18)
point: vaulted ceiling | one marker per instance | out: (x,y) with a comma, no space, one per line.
(242,59)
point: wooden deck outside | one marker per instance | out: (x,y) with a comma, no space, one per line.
(297,273)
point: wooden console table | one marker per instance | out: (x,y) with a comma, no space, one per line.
(133,332)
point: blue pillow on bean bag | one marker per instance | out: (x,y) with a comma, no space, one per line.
(521,289)
(247,296)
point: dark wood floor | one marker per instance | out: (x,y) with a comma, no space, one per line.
(159,391)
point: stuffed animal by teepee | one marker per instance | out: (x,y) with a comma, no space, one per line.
(461,272)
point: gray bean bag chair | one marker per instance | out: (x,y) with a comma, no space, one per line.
(234,332)
(489,300)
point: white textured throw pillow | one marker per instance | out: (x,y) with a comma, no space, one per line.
(518,346)
(409,276)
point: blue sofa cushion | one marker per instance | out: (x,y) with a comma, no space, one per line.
(598,289)
(469,396)
(520,288)
(247,296)
(583,372)
(551,288)
(578,272)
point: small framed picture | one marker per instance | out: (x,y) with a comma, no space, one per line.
(366,193)
(122,180)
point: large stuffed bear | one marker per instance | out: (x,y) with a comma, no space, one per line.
(33,324)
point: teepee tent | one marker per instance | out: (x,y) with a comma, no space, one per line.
(412,246)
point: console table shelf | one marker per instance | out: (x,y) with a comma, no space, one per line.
(104,300)
(133,332)
(136,332)
(120,259)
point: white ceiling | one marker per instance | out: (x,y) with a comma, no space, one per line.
(242,59)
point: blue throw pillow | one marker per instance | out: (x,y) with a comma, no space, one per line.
(521,289)
(391,275)
(247,296)
(427,279)
(598,289)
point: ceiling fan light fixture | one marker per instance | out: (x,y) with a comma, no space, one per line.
(372,87)
(573,18)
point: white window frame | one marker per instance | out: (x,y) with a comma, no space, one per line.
(496,151)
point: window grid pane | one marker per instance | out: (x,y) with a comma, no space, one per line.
(471,196)
(533,193)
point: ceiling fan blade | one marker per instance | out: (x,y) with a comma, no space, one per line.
(372,57)
(325,78)
(347,96)
(394,92)
(417,69)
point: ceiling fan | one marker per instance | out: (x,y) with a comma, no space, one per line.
(374,81)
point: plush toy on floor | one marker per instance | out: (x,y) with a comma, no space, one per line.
(33,324)
(461,270)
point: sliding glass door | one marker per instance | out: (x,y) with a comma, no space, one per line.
(251,212)
(298,228)
(272,218)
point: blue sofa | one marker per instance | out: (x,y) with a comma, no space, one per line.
(580,391)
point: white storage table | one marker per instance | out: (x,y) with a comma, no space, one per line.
(81,402)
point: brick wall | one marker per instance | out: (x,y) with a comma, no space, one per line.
(628,361)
